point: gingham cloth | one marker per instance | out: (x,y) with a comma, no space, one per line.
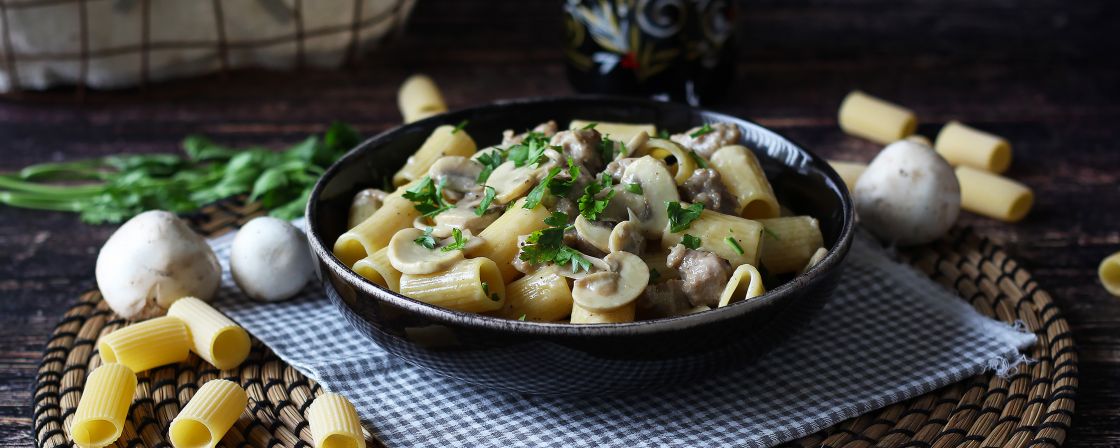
(888,334)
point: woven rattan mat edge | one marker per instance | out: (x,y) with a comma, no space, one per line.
(1031,407)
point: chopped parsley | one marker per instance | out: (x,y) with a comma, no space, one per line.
(734,245)
(609,148)
(487,199)
(522,318)
(561,187)
(590,126)
(547,246)
(590,206)
(681,218)
(770,233)
(490,161)
(705,129)
(699,160)
(426,240)
(690,241)
(460,126)
(459,243)
(530,151)
(427,197)
(664,133)
(487,293)
(537,193)
(654,276)
(634,188)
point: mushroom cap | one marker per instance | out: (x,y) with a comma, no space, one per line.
(595,234)
(626,237)
(615,288)
(364,205)
(411,258)
(270,259)
(459,173)
(908,195)
(510,181)
(658,188)
(153,260)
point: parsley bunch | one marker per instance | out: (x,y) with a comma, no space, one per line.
(427,196)
(547,245)
(114,188)
(590,204)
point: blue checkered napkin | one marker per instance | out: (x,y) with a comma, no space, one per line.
(888,334)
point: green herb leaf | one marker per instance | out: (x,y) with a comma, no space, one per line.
(590,126)
(734,245)
(705,129)
(681,218)
(590,205)
(663,133)
(487,199)
(690,241)
(634,188)
(537,193)
(460,126)
(459,243)
(547,246)
(426,240)
(522,318)
(530,151)
(490,161)
(608,148)
(427,197)
(699,160)
(561,187)
(486,292)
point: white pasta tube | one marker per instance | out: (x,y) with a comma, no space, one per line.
(376,268)
(622,132)
(992,195)
(865,116)
(103,407)
(743,176)
(1109,273)
(661,149)
(816,258)
(420,98)
(735,239)
(789,243)
(745,283)
(334,423)
(963,145)
(849,171)
(374,233)
(214,337)
(209,415)
(446,140)
(541,296)
(581,315)
(474,285)
(364,205)
(152,343)
(499,239)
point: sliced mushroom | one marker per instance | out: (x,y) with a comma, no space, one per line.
(510,182)
(626,237)
(411,258)
(636,144)
(458,173)
(658,188)
(615,288)
(462,218)
(365,203)
(595,234)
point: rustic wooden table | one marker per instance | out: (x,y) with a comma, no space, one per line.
(1042,73)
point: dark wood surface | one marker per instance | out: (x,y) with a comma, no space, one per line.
(1043,73)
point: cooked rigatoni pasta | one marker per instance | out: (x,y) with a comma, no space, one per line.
(334,423)
(745,283)
(214,337)
(103,407)
(877,120)
(1109,273)
(962,145)
(374,233)
(789,243)
(144,345)
(621,132)
(364,205)
(815,259)
(992,195)
(569,225)
(849,171)
(474,285)
(541,296)
(744,178)
(209,414)
(376,268)
(420,98)
(732,238)
(444,141)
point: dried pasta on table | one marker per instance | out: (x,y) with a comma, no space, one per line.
(144,345)
(214,337)
(963,145)
(419,97)
(993,195)
(877,120)
(334,423)
(210,413)
(103,407)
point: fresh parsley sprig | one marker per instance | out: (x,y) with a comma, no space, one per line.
(547,246)
(705,129)
(460,126)
(734,245)
(459,241)
(537,193)
(490,161)
(426,240)
(427,196)
(487,198)
(590,204)
(530,151)
(690,241)
(680,218)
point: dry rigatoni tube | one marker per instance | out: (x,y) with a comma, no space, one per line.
(103,407)
(1109,272)
(848,171)
(474,285)
(214,337)
(144,345)
(788,243)
(334,423)
(877,120)
(420,98)
(445,140)
(209,415)
(993,195)
(963,145)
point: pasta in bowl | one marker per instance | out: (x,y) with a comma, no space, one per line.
(582,233)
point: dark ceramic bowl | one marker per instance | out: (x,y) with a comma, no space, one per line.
(565,359)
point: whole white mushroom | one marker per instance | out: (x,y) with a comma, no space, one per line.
(908,195)
(153,260)
(270,259)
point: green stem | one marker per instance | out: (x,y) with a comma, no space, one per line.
(38,202)
(12,182)
(77,170)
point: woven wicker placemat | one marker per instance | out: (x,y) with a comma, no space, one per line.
(1032,407)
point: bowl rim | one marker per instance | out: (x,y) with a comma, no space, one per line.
(832,261)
